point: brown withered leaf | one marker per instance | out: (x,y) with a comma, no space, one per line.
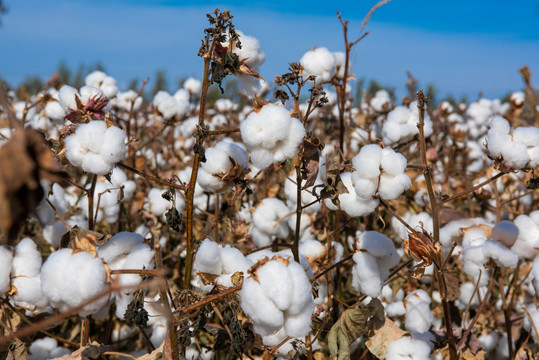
(207,278)
(80,239)
(310,161)
(17,350)
(25,159)
(452,284)
(469,355)
(237,278)
(352,324)
(485,228)
(382,337)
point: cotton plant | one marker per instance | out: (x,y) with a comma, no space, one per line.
(401,125)
(226,163)
(95,147)
(277,296)
(269,221)
(514,148)
(375,256)
(222,262)
(126,251)
(87,103)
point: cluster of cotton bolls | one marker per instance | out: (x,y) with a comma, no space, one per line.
(517,148)
(96,148)
(321,63)
(271,135)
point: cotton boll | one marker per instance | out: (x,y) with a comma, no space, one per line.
(527,243)
(516,155)
(69,279)
(128,99)
(366,277)
(407,349)
(505,232)
(118,247)
(101,80)
(351,203)
(208,259)
(392,186)
(276,284)
(46,348)
(500,124)
(6,260)
(401,124)
(307,196)
(66,97)
(192,85)
(302,301)
(267,318)
(269,217)
(250,85)
(320,63)
(534,314)
(380,101)
(418,318)
(27,259)
(367,162)
(159,205)
(141,257)
(250,50)
(55,111)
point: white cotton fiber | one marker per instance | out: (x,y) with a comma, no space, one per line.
(419,317)
(208,259)
(270,218)
(407,349)
(46,348)
(527,244)
(351,202)
(320,63)
(69,279)
(95,148)
(27,259)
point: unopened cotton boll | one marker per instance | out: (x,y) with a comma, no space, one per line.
(320,63)
(95,148)
(271,135)
(69,279)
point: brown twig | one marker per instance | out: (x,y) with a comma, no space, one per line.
(151,177)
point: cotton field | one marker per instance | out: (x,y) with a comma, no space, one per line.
(289,220)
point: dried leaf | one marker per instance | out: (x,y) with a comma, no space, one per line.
(352,324)
(80,239)
(237,278)
(310,160)
(382,337)
(207,278)
(469,355)
(452,284)
(25,159)
(157,354)
(17,351)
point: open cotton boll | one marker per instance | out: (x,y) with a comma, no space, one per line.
(269,217)
(118,178)
(340,64)
(376,256)
(367,162)
(225,105)
(208,259)
(466,291)
(474,257)
(46,348)
(6,260)
(250,50)
(192,85)
(380,101)
(66,97)
(159,205)
(170,106)
(126,100)
(320,63)
(534,314)
(118,247)
(101,80)
(418,316)
(55,111)
(271,135)
(27,259)
(527,244)
(392,186)
(225,163)
(95,148)
(401,124)
(250,85)
(69,279)
(407,348)
(277,294)
(351,202)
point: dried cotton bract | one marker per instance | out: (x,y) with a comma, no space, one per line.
(96,148)
(278,295)
(271,135)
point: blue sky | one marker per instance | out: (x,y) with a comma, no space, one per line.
(463,47)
